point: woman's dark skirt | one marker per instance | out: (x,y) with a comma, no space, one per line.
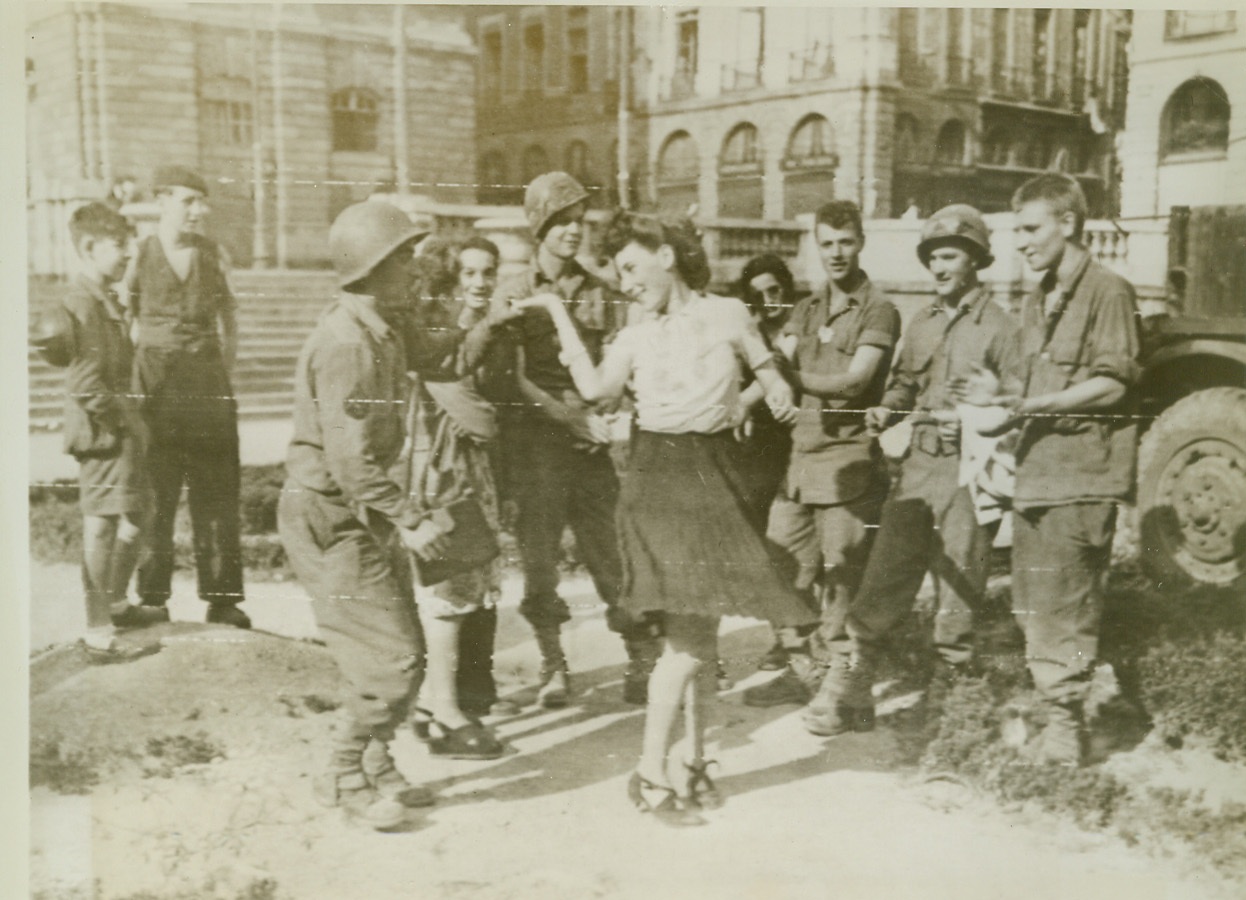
(687,541)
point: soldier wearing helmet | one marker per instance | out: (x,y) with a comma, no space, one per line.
(342,516)
(929,522)
(557,467)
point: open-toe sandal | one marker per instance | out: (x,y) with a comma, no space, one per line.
(668,810)
(702,792)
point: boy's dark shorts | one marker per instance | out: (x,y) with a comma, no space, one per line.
(117,485)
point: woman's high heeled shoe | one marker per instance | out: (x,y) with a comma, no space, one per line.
(702,792)
(668,810)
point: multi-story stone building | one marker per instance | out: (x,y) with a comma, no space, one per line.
(1184,143)
(291,111)
(766,112)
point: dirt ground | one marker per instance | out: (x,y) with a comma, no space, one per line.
(205,751)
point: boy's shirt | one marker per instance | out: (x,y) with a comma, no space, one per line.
(833,455)
(1091,329)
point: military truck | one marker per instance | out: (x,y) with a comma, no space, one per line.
(1192,460)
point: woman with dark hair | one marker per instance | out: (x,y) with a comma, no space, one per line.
(768,290)
(690,552)
(458,616)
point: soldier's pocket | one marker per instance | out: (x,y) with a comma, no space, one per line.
(1086,441)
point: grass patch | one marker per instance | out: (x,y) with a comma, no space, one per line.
(61,769)
(169,753)
(1175,663)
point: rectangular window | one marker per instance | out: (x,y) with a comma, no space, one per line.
(491,65)
(577,50)
(228,122)
(686,43)
(1081,51)
(1001,63)
(1188,23)
(958,64)
(534,57)
(1042,47)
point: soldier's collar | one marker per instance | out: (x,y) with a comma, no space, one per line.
(1068,274)
(363,308)
(573,271)
(974,302)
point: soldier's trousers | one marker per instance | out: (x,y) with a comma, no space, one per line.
(930,527)
(557,485)
(360,586)
(192,421)
(1060,557)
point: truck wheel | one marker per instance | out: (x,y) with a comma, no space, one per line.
(1192,491)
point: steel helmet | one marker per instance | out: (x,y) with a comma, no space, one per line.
(364,234)
(548,195)
(960,225)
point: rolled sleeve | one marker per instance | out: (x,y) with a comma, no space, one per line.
(1114,339)
(880,326)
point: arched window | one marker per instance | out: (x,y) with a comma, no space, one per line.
(678,160)
(678,169)
(575,161)
(907,150)
(995,146)
(812,144)
(1195,119)
(950,144)
(741,148)
(535,161)
(354,120)
(810,163)
(740,193)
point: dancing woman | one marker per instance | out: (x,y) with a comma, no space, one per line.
(689,550)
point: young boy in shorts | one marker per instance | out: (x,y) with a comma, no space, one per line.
(87,333)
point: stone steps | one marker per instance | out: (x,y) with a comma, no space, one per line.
(276,312)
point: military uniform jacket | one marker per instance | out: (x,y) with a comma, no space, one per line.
(596,308)
(834,457)
(940,348)
(350,403)
(1092,331)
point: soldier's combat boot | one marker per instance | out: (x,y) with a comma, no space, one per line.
(845,701)
(1063,741)
(555,688)
(346,787)
(383,775)
(796,685)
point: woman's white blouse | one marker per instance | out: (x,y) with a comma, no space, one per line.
(686,367)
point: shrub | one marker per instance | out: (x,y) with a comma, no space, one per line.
(261,489)
(55,522)
(1199,688)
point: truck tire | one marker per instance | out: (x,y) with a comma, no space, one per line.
(1192,492)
